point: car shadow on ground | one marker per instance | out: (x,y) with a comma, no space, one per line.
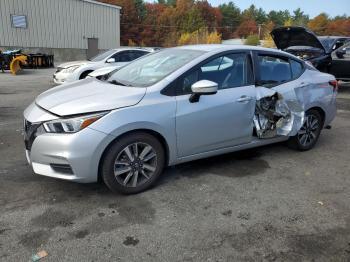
(237,164)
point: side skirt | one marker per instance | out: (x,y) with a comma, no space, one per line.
(256,142)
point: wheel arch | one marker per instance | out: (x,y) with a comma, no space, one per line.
(85,73)
(321,111)
(151,132)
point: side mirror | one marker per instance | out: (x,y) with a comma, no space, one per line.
(110,60)
(203,87)
(340,53)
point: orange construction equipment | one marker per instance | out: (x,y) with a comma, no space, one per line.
(17,62)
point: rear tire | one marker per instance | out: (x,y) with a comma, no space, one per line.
(309,133)
(133,163)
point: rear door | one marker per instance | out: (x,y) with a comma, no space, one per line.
(221,120)
(284,75)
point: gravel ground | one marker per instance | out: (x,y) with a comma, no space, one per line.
(266,204)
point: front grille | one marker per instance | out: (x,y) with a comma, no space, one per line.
(30,130)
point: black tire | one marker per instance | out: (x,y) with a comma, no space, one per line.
(117,154)
(312,134)
(84,74)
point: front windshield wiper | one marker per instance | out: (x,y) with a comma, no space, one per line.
(115,82)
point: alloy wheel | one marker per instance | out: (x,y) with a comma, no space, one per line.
(135,164)
(309,131)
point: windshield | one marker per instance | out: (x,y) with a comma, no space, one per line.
(102,56)
(152,68)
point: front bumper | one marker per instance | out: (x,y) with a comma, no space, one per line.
(73,157)
(77,155)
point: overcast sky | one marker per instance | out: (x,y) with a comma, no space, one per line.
(310,7)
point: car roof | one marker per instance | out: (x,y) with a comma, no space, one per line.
(148,49)
(220,47)
(333,37)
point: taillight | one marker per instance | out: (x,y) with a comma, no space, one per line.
(334,83)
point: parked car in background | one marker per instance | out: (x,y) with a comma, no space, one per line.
(76,70)
(304,44)
(340,67)
(174,106)
(103,72)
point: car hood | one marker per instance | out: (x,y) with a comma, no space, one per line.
(89,95)
(285,37)
(73,63)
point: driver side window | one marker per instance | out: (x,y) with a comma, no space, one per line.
(229,71)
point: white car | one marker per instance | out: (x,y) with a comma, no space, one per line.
(103,71)
(76,70)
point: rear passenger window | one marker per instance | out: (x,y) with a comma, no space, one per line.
(228,71)
(297,68)
(274,70)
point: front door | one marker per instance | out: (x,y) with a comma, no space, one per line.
(221,120)
(92,47)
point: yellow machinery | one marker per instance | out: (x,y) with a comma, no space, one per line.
(17,62)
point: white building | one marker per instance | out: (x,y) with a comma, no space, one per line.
(69,29)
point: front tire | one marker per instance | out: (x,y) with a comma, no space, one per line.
(309,133)
(133,163)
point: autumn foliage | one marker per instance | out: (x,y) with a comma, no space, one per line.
(179,22)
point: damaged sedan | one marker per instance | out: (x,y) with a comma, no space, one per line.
(174,106)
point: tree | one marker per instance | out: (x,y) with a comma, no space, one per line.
(319,24)
(255,14)
(231,19)
(279,17)
(246,28)
(211,16)
(338,27)
(191,21)
(299,18)
(268,41)
(167,2)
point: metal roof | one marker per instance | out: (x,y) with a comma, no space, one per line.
(101,3)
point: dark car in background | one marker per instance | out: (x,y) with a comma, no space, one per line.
(340,66)
(324,52)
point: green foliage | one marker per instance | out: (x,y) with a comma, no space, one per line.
(201,36)
(279,17)
(252,40)
(166,22)
(299,18)
(191,21)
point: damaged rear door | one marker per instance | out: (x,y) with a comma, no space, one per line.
(279,109)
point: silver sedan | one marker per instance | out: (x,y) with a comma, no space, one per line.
(174,106)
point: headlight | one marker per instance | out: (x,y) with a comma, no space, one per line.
(70,69)
(71,125)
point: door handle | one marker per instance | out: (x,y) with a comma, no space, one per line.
(243,99)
